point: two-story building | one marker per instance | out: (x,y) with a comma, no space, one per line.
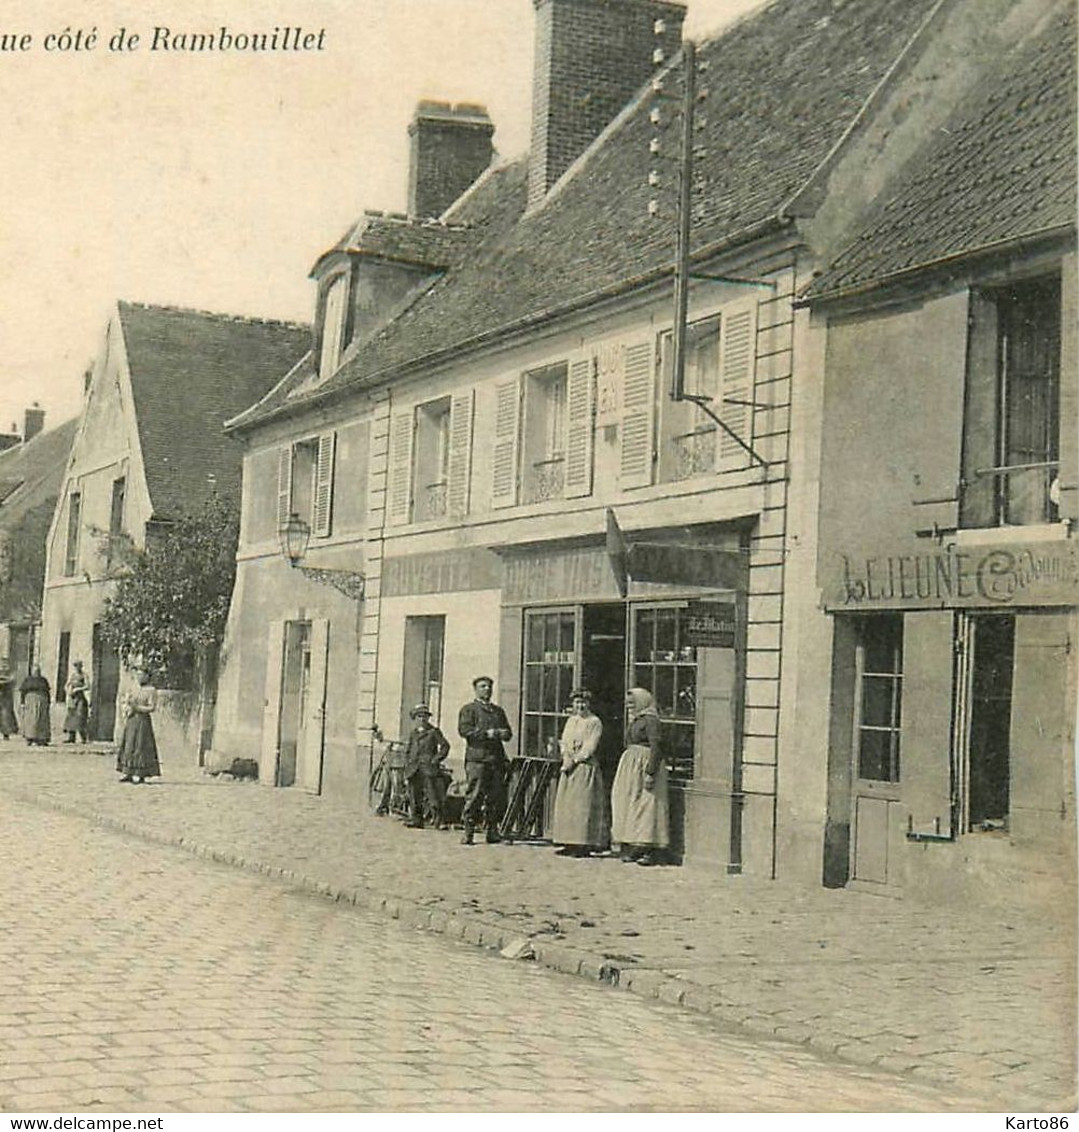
(949,564)
(485,427)
(148,447)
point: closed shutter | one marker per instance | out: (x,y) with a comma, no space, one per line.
(327,445)
(638,417)
(925,767)
(312,745)
(580,428)
(737,361)
(402,428)
(284,485)
(504,461)
(460,457)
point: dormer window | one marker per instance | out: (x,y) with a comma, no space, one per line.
(333,326)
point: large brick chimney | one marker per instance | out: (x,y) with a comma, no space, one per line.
(451,147)
(591,58)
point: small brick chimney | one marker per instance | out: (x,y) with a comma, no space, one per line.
(591,58)
(33,422)
(451,147)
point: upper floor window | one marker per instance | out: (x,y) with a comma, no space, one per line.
(116,516)
(430,460)
(333,326)
(305,482)
(431,471)
(719,369)
(544,438)
(74,519)
(1011,434)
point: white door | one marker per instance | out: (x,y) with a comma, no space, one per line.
(309,753)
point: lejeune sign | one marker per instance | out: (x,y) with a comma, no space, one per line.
(959,576)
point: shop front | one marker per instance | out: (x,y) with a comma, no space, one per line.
(571,618)
(953,697)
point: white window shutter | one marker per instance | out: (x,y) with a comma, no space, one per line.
(402,428)
(737,363)
(284,485)
(460,457)
(322,518)
(580,427)
(507,429)
(638,416)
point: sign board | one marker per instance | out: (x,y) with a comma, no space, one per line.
(959,576)
(679,564)
(710,624)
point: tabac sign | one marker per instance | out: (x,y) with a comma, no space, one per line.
(1019,574)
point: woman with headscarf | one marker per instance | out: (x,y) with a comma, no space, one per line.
(34,697)
(78,706)
(8,724)
(579,823)
(137,757)
(639,793)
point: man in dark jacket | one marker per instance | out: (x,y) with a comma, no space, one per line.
(426,751)
(484,727)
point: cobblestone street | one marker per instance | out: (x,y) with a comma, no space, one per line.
(270,979)
(138,978)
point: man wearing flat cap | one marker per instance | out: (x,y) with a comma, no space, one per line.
(484,727)
(427,749)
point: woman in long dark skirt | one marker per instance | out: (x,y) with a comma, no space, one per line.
(137,758)
(35,696)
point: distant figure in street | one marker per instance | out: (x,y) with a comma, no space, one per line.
(427,749)
(8,724)
(579,824)
(137,757)
(484,728)
(639,795)
(34,698)
(78,705)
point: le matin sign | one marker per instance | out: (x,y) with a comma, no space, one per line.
(710,624)
(956,576)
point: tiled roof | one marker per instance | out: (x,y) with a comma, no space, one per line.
(397,237)
(34,470)
(1003,168)
(37,469)
(190,372)
(782,88)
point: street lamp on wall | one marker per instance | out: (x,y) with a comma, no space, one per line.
(294,538)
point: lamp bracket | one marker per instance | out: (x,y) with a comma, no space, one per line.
(344,581)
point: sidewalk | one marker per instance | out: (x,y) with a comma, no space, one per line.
(984,1001)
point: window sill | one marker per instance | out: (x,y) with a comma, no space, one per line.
(1000,536)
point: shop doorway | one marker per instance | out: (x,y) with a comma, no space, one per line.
(603,673)
(984,718)
(878,686)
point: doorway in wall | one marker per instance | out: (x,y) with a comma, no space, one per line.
(105,671)
(421,680)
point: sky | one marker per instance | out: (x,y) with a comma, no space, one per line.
(214,181)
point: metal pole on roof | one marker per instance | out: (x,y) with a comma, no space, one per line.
(685,209)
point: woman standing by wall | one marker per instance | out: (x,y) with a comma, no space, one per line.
(137,758)
(639,794)
(78,706)
(34,697)
(579,823)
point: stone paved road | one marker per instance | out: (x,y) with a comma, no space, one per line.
(136,978)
